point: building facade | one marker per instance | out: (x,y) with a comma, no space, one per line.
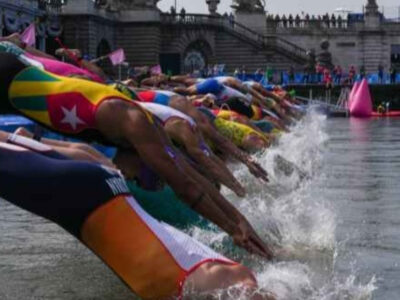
(185,42)
(366,39)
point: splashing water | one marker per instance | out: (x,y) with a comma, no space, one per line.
(291,213)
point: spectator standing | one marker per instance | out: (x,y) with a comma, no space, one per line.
(352,74)
(173,11)
(333,21)
(393,74)
(362,72)
(297,21)
(307,20)
(340,21)
(290,20)
(269,74)
(328,82)
(284,21)
(243,74)
(327,79)
(306,76)
(183,14)
(337,71)
(380,74)
(231,19)
(258,75)
(291,74)
(319,71)
(236,73)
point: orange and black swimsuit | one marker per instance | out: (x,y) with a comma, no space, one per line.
(93,203)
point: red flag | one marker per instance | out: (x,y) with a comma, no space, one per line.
(29,35)
(156,70)
(117,57)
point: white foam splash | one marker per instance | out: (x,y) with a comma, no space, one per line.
(291,212)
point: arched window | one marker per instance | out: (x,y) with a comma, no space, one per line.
(196,56)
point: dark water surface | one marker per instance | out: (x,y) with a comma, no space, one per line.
(364,182)
(350,206)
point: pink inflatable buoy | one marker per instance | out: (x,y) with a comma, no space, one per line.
(361,102)
(353,91)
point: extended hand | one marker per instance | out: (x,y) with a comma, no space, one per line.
(247,238)
(257,170)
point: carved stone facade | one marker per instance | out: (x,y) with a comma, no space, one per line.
(369,40)
(249,5)
(148,36)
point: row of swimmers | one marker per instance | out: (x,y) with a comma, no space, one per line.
(177,131)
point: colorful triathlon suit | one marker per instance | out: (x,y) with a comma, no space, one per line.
(50,65)
(209,86)
(221,91)
(93,204)
(249,84)
(223,79)
(225,114)
(236,132)
(229,115)
(64,69)
(63,104)
(166,113)
(156,96)
(230,93)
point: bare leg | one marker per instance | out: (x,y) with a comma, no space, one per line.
(184,79)
(79,147)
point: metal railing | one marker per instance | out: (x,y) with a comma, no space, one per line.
(237,28)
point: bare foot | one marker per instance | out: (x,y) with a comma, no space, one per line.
(14,38)
(23,132)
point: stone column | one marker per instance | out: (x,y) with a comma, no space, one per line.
(374,44)
(372,15)
(251,16)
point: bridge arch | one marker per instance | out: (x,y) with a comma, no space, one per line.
(197,48)
(197,55)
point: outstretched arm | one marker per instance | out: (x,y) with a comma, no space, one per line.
(229,148)
(208,130)
(138,133)
(186,136)
(136,130)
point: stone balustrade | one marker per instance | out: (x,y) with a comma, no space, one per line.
(326,22)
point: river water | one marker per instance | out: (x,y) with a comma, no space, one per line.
(337,217)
